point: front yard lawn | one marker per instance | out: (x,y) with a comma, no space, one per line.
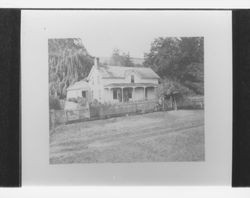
(152,137)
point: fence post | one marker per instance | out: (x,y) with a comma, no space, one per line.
(66,116)
(101,113)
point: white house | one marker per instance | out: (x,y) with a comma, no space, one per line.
(79,89)
(113,84)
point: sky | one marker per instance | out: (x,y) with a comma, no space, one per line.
(130,31)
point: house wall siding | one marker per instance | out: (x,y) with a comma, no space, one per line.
(138,94)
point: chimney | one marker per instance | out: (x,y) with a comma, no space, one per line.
(96,62)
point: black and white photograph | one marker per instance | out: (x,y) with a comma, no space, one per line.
(126,97)
(124,92)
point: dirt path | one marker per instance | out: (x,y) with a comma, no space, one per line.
(159,136)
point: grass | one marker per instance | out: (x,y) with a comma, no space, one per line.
(152,137)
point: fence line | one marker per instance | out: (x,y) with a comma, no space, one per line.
(58,117)
(92,112)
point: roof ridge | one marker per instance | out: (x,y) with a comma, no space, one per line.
(126,67)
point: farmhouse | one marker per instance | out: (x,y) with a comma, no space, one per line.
(114,84)
(79,89)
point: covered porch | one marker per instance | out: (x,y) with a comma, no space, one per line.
(127,92)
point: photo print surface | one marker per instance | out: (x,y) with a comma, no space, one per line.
(126,97)
(124,91)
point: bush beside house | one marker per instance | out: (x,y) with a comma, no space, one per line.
(54,103)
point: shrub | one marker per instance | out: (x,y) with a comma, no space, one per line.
(72,100)
(191,103)
(54,103)
(95,103)
(81,101)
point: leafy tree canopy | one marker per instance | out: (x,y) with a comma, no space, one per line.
(180,59)
(170,88)
(121,59)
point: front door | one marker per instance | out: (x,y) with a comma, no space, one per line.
(127,94)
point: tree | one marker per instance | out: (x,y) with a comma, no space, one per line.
(69,62)
(179,59)
(121,59)
(163,56)
(172,91)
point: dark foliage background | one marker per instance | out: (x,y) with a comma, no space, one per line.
(179,61)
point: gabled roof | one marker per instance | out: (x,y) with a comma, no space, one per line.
(83,85)
(120,72)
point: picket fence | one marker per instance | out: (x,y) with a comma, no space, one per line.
(93,112)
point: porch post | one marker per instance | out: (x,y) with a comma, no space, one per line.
(154,92)
(133,93)
(109,95)
(144,93)
(122,93)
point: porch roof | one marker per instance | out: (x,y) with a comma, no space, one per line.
(123,85)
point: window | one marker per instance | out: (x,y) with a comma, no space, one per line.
(114,94)
(132,78)
(84,94)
